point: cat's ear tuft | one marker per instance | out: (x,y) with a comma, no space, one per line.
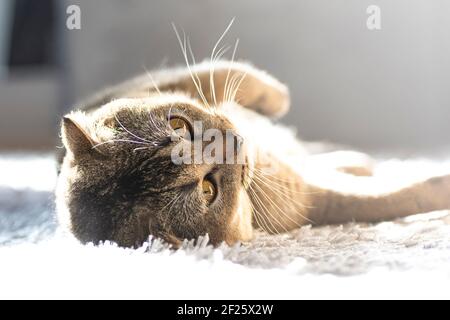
(75,137)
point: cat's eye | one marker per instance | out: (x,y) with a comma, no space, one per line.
(181,127)
(209,190)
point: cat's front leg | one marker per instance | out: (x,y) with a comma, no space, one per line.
(212,83)
(370,204)
(227,81)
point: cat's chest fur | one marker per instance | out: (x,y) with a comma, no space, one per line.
(266,138)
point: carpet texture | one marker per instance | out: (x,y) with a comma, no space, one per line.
(408,258)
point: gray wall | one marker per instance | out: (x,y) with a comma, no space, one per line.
(375,90)
(5,9)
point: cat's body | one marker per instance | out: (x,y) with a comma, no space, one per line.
(118,181)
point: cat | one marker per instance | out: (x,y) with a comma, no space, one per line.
(119,181)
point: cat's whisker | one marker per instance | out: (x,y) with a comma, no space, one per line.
(271,177)
(140,148)
(291,203)
(198,83)
(256,215)
(267,212)
(213,58)
(169,115)
(234,86)
(191,52)
(180,111)
(128,131)
(229,70)
(183,47)
(261,216)
(155,86)
(279,210)
(269,215)
(282,194)
(265,173)
(169,205)
(281,187)
(117,140)
(158,127)
(228,90)
(233,96)
(170,202)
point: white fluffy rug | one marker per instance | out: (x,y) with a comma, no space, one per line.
(408,258)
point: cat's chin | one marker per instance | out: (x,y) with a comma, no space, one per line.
(241,228)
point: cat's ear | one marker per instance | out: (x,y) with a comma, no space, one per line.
(75,137)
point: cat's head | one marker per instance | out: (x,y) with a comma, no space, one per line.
(147,166)
(137,167)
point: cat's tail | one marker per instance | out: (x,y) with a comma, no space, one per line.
(331,206)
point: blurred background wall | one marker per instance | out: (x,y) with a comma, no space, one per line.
(384,90)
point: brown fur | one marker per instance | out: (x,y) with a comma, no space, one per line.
(108,190)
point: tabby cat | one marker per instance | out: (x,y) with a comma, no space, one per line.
(119,180)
